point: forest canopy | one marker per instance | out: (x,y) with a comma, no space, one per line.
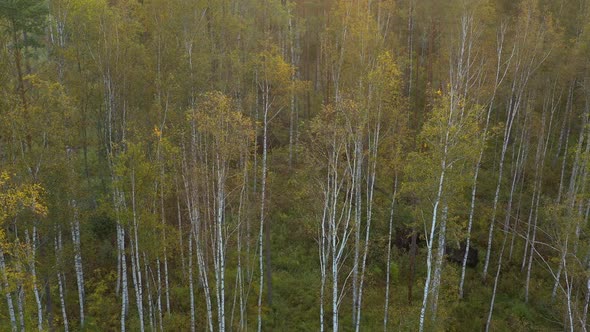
(294,165)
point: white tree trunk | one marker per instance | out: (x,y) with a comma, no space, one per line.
(159,299)
(149,293)
(575,180)
(75,225)
(337,228)
(32,265)
(240,231)
(438,265)
(262,211)
(135,260)
(499,78)
(429,244)
(532,247)
(122,258)
(358,155)
(324,250)
(167,284)
(334,288)
(205,282)
(124,284)
(220,244)
(568,293)
(514,104)
(135,271)
(193,211)
(586,303)
(539,164)
(57,242)
(191,283)
(20,299)
(507,134)
(470,223)
(180,231)
(517,174)
(492,301)
(388,272)
(292,115)
(372,163)
(7,293)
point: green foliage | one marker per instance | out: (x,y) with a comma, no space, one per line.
(16,197)
(24,15)
(102,304)
(145,117)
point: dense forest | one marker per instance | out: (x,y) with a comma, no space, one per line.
(294,165)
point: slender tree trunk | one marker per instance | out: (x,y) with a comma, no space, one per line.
(180,231)
(7,292)
(429,245)
(75,226)
(323,253)
(60,276)
(518,214)
(540,162)
(586,302)
(492,301)
(241,217)
(518,173)
(528,233)
(324,246)
(388,272)
(470,224)
(370,190)
(32,262)
(507,134)
(338,222)
(205,282)
(220,242)
(438,265)
(568,293)
(556,284)
(134,275)
(565,132)
(334,288)
(20,302)
(518,88)
(262,218)
(190,282)
(118,199)
(292,115)
(410,48)
(532,247)
(149,293)
(358,155)
(193,211)
(124,287)
(159,293)
(135,260)
(166,282)
(499,77)
(119,255)
(575,180)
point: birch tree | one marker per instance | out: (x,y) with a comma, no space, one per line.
(335,150)
(273,84)
(227,135)
(447,138)
(525,62)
